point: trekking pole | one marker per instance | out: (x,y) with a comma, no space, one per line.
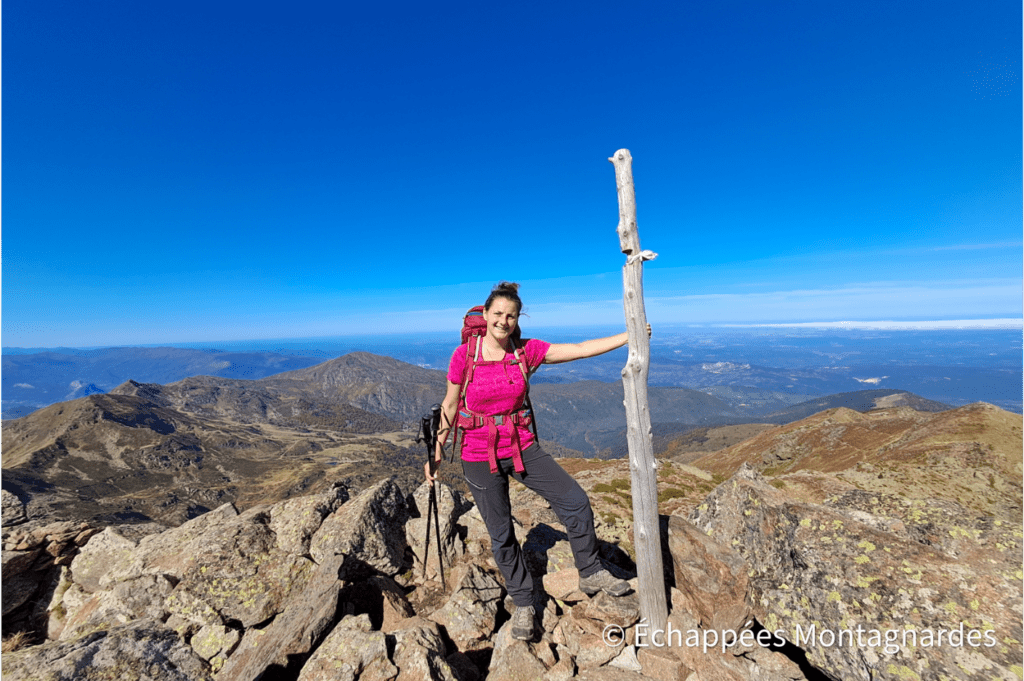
(428,434)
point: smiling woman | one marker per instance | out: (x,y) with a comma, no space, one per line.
(486,399)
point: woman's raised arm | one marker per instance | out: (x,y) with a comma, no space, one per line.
(567,352)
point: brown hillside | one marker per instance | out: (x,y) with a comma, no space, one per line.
(76,424)
(970,455)
(168,453)
(700,441)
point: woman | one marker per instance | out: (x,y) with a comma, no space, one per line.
(498,386)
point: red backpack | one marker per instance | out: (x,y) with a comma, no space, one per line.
(474,328)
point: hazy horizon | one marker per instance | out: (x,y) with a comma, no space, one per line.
(952,365)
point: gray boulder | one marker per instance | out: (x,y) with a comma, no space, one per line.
(470,614)
(369,530)
(419,652)
(214,643)
(820,573)
(305,619)
(34,557)
(13,511)
(126,602)
(18,583)
(295,521)
(515,660)
(351,651)
(102,553)
(245,578)
(241,588)
(172,552)
(711,577)
(144,650)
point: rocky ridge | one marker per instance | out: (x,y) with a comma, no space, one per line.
(326,586)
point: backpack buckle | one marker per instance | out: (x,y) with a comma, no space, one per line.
(499,420)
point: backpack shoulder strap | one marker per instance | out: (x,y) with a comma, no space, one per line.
(468,368)
(521,362)
(520,353)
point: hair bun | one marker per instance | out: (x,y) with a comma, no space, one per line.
(508,290)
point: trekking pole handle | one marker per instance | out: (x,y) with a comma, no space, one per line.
(435,423)
(429,425)
(428,428)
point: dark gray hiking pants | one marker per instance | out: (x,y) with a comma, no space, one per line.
(568,500)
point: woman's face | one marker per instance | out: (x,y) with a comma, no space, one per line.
(502,317)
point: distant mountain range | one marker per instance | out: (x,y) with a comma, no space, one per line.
(581,416)
(756,374)
(34,380)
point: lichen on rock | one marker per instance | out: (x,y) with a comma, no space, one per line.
(827,580)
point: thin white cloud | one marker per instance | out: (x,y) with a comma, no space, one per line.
(963,300)
(978,247)
(890,325)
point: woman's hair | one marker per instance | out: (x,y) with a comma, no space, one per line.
(507,290)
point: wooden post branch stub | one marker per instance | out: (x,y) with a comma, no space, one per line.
(643,467)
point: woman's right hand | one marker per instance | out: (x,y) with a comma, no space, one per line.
(431,468)
(448,406)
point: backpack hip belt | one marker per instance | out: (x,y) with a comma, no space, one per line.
(523,417)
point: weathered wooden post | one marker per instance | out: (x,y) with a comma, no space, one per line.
(642,466)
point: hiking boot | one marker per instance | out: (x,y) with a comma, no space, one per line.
(522,622)
(602,580)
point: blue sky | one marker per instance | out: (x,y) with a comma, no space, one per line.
(192,171)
